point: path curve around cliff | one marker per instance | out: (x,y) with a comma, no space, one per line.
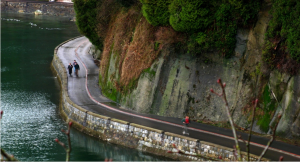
(85,92)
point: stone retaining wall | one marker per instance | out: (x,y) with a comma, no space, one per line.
(46,8)
(132,135)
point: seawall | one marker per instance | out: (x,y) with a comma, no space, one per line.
(45,8)
(132,135)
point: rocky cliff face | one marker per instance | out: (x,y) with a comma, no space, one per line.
(174,83)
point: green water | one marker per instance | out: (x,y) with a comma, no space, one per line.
(30,95)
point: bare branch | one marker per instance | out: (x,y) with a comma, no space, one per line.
(229,117)
(60,143)
(7,156)
(250,132)
(3,153)
(68,150)
(62,130)
(273,93)
(69,141)
(234,152)
(240,137)
(272,138)
(247,150)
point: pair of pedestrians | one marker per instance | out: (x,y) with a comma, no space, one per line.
(75,66)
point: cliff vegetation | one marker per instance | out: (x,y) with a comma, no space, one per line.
(282,49)
(161,57)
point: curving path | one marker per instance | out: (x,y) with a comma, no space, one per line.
(85,92)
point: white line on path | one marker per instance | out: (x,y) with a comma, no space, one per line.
(165,122)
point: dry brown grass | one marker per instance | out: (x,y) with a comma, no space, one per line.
(132,40)
(118,35)
(167,35)
(140,53)
(105,55)
(105,18)
(124,29)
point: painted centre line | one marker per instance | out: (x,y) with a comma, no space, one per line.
(169,123)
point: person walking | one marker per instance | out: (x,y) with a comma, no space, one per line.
(76,68)
(70,67)
(186,121)
(74,65)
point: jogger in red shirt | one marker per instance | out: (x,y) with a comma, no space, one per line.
(186,121)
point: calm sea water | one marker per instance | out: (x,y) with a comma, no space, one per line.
(30,95)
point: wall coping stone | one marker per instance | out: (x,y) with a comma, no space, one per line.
(181,136)
(99,116)
(119,121)
(215,145)
(148,128)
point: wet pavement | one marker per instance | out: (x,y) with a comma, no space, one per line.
(85,92)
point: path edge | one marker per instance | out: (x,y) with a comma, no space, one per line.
(133,135)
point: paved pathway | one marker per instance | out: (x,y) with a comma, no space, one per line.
(85,92)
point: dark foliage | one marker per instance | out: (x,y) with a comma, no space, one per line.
(282,49)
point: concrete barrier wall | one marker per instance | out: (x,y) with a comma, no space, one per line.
(46,8)
(132,135)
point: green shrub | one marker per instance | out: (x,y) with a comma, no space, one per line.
(225,29)
(86,14)
(230,15)
(156,11)
(126,3)
(209,24)
(283,36)
(190,15)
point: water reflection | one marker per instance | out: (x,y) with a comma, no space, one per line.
(30,95)
(29,125)
(101,150)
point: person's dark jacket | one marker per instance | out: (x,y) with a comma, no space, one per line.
(70,67)
(77,67)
